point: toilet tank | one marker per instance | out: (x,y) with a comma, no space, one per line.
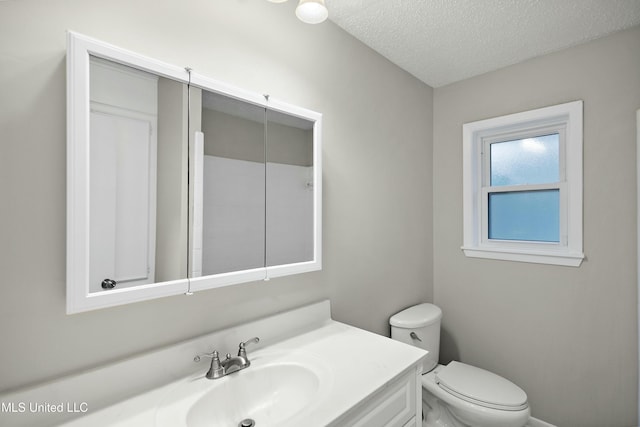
(419,326)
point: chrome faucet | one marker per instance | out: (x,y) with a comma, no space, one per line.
(229,365)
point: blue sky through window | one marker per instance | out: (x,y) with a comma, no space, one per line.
(525,215)
(526,161)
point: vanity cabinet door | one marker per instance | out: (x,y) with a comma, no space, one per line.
(393,406)
(412,423)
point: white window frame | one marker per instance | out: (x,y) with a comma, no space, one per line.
(565,119)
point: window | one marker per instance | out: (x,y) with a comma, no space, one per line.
(523,186)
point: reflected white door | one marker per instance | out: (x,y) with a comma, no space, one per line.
(122,191)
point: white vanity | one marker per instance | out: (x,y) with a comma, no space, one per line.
(306,370)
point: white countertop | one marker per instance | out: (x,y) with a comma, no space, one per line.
(358,362)
(143,390)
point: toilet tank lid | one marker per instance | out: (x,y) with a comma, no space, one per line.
(417,316)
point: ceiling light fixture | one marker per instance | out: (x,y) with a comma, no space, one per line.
(309,11)
(312,11)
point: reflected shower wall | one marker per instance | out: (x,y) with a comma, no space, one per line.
(254,213)
(233,234)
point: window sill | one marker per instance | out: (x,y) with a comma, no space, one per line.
(568,259)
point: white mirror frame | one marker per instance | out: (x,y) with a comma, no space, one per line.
(638,233)
(79,299)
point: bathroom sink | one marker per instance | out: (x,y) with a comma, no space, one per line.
(266,394)
(269,393)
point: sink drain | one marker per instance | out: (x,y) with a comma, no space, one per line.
(247,423)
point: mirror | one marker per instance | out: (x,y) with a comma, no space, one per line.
(256,184)
(294,189)
(127,189)
(254,207)
(289,189)
(178,183)
(228,214)
(137,176)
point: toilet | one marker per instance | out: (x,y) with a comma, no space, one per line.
(457,395)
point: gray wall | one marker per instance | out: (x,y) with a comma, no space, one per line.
(171,213)
(567,335)
(232,137)
(377,174)
(239,138)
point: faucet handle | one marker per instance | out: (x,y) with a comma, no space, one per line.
(241,350)
(215,370)
(198,357)
(252,340)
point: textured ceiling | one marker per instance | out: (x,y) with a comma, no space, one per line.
(443,41)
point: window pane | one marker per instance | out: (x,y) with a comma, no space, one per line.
(526,161)
(525,215)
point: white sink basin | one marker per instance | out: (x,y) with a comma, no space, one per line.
(267,394)
(270,392)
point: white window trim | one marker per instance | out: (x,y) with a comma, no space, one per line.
(568,251)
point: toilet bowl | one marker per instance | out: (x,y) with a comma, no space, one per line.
(481,399)
(457,395)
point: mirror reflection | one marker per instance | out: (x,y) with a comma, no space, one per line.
(229,191)
(289,189)
(138,177)
(178,183)
(253,186)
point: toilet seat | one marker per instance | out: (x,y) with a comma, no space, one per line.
(481,387)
